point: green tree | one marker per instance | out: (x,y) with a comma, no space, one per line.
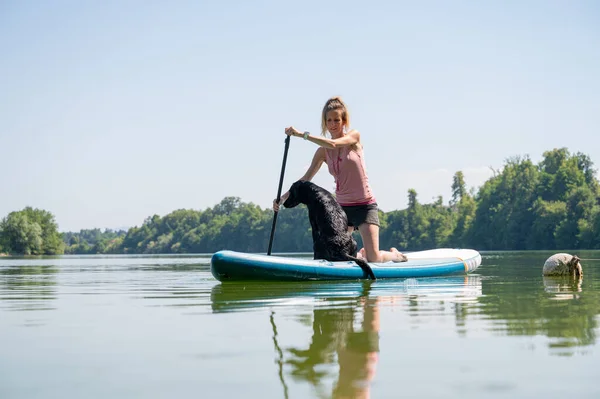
(31,232)
(459,188)
(580,206)
(20,236)
(547,216)
(504,207)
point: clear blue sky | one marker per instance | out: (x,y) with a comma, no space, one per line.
(113,111)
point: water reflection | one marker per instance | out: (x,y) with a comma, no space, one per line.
(563,287)
(344,320)
(340,339)
(563,309)
(569,320)
(416,294)
(348,338)
(28,287)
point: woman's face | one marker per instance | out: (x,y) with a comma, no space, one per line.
(335,125)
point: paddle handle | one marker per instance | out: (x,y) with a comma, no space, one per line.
(285,152)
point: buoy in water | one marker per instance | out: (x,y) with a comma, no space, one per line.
(563,264)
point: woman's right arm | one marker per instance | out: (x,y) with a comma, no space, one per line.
(314,167)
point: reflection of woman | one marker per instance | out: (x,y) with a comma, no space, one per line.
(357,359)
(357,351)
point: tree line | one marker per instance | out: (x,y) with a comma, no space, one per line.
(554,204)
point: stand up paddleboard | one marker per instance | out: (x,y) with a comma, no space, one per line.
(238,266)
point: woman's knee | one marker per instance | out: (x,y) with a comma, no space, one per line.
(370,237)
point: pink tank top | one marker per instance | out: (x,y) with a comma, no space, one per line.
(350,174)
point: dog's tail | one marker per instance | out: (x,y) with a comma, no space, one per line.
(363,265)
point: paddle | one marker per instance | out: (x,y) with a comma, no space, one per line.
(285,151)
(280,352)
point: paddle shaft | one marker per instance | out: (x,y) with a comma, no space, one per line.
(285,152)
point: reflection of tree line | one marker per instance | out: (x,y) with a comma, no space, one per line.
(28,287)
(558,311)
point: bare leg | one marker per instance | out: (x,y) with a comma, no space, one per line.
(361,254)
(370,237)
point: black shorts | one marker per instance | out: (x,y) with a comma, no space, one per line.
(359,214)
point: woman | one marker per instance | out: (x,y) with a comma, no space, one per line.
(343,154)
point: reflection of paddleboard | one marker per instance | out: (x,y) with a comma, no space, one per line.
(231,266)
(248,295)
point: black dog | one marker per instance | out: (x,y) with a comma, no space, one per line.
(331,239)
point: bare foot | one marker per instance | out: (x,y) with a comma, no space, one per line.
(362,254)
(400,257)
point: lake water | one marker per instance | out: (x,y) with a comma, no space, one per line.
(163,327)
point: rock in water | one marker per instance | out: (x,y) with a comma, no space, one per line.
(562,265)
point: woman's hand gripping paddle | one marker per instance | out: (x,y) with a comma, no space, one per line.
(285,151)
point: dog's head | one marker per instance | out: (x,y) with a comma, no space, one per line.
(297,194)
(575,268)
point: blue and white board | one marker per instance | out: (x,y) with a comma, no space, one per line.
(237,266)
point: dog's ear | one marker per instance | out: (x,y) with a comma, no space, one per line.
(293,199)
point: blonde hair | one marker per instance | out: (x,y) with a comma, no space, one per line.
(335,103)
